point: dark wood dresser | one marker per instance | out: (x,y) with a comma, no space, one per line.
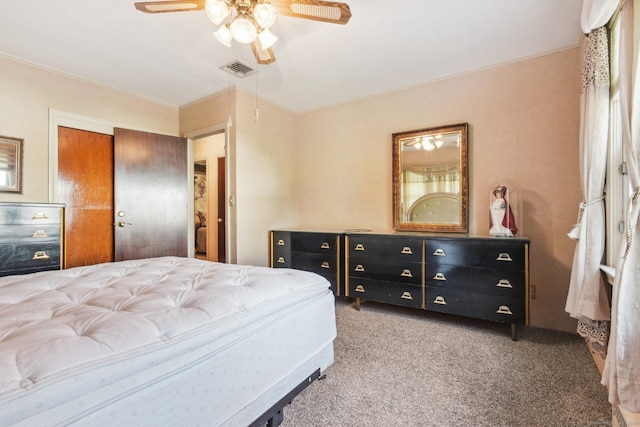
(480,277)
(318,252)
(31,237)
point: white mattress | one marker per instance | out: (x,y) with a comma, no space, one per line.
(158,341)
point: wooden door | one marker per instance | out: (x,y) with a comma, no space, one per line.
(150,195)
(85,186)
(222,197)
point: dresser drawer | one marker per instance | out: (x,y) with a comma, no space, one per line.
(30,215)
(391,270)
(386,248)
(504,309)
(29,233)
(501,254)
(325,243)
(486,280)
(384,291)
(318,263)
(29,257)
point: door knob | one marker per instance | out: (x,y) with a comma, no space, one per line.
(123,223)
(219,220)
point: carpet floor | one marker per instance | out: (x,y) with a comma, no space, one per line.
(397,366)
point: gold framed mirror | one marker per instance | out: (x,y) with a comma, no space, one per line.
(430,179)
(10,165)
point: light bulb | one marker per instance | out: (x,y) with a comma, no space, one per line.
(265,15)
(267,39)
(243,30)
(216,10)
(223,35)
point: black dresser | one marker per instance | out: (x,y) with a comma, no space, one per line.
(318,252)
(30,237)
(480,277)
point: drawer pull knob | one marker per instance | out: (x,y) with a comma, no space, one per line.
(281,260)
(40,255)
(325,245)
(406,295)
(440,300)
(504,309)
(325,264)
(280,242)
(360,288)
(406,250)
(439,252)
(406,273)
(40,215)
(504,283)
(439,276)
(39,233)
(359,247)
(359,267)
(504,257)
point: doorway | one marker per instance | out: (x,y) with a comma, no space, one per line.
(209,197)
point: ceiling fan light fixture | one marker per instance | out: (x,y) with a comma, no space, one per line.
(264,14)
(223,35)
(217,10)
(267,39)
(243,30)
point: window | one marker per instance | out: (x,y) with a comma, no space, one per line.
(618,186)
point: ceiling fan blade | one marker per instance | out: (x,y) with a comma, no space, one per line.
(170,6)
(316,10)
(263,56)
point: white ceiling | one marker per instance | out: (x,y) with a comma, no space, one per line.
(174,58)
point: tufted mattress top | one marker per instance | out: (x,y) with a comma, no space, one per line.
(54,325)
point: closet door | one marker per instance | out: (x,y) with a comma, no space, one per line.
(150,195)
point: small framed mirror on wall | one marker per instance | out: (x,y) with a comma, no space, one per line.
(430,179)
(10,165)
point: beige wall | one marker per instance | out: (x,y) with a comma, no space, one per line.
(27,95)
(331,168)
(261,167)
(524,128)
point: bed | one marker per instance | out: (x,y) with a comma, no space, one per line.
(160,341)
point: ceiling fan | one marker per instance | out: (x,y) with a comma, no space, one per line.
(248,21)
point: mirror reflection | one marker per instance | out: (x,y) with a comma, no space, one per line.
(430,179)
(10,164)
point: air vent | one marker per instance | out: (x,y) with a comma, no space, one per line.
(238,69)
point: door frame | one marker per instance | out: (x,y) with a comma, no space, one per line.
(63,118)
(203,133)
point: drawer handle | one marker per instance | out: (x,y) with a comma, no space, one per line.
(281,260)
(360,288)
(504,309)
(280,242)
(439,252)
(504,283)
(406,273)
(40,215)
(504,257)
(439,276)
(40,255)
(325,264)
(359,267)
(440,300)
(406,295)
(406,250)
(39,233)
(359,247)
(325,245)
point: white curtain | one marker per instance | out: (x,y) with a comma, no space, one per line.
(622,367)
(587,299)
